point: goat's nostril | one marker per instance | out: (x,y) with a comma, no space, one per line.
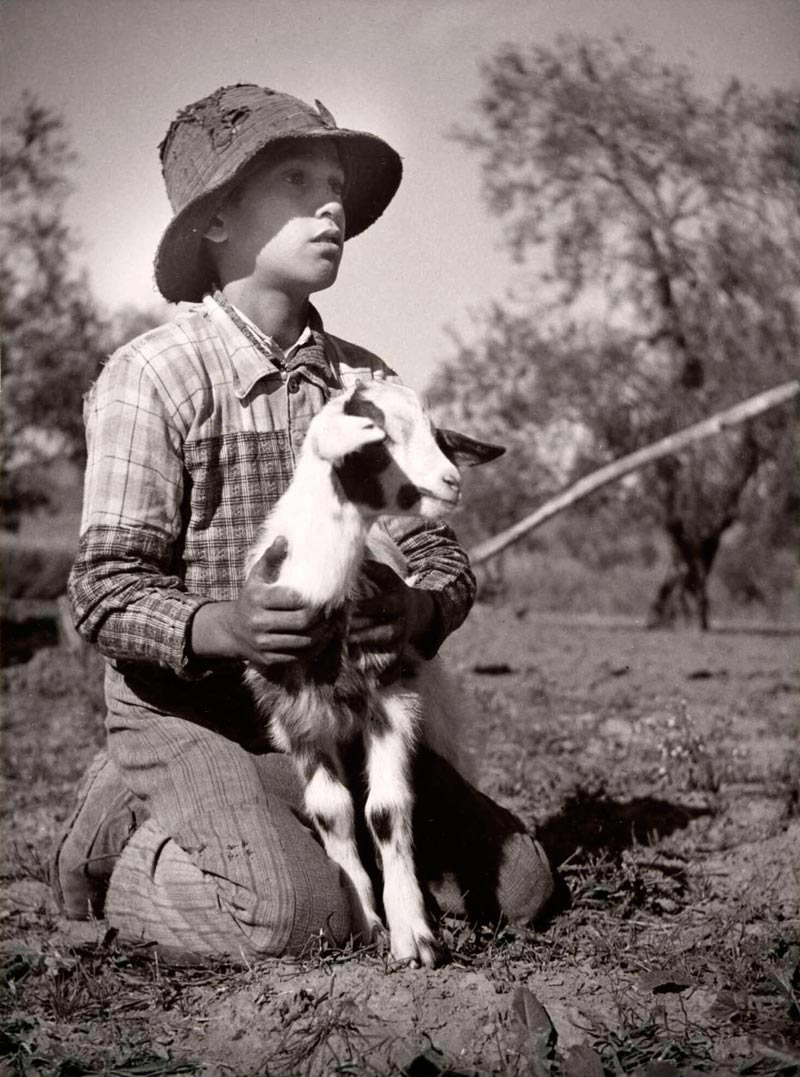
(453,481)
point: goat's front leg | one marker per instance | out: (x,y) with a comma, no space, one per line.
(389,808)
(329,804)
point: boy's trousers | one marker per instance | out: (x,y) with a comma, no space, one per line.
(225,863)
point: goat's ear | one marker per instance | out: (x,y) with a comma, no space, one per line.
(340,434)
(358,403)
(464,451)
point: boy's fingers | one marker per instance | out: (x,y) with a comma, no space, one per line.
(279,598)
(270,658)
(304,620)
(273,644)
(268,565)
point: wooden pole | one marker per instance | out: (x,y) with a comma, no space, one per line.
(667,446)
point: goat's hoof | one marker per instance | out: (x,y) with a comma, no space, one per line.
(379,938)
(420,950)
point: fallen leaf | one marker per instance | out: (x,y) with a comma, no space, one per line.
(537,1034)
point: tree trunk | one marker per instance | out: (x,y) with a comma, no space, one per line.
(684,591)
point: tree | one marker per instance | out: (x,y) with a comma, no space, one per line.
(671,288)
(53,334)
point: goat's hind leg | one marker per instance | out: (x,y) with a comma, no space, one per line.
(389,808)
(329,804)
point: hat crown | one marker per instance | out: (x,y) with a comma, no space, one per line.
(211,146)
(210,140)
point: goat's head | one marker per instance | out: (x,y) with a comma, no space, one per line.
(388,456)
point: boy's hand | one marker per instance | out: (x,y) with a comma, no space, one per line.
(267,624)
(388,615)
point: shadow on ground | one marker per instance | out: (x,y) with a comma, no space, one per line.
(592,823)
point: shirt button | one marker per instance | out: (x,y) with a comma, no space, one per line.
(293,385)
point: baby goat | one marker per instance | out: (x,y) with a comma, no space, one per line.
(370,452)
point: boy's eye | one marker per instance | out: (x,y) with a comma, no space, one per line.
(296,176)
(337,186)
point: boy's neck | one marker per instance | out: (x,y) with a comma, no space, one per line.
(276,314)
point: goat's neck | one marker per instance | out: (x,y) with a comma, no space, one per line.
(326,534)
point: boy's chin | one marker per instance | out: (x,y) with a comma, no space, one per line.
(320,286)
(298,283)
(320,278)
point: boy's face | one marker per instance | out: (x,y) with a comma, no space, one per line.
(285,227)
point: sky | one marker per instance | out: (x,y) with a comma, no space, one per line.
(408,70)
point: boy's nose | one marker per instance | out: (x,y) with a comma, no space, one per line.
(334,211)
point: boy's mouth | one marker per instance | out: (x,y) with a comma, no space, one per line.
(330,235)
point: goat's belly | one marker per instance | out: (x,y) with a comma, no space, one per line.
(300,708)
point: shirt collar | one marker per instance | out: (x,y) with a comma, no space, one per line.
(254,354)
(271,346)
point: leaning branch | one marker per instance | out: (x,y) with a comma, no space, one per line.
(667,446)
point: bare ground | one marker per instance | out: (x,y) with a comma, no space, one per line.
(661,772)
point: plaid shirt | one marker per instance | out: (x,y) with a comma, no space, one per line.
(193,430)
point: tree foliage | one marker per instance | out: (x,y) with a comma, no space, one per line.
(670,289)
(53,334)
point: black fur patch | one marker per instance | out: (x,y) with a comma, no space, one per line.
(311,762)
(359,471)
(407,496)
(378,719)
(359,475)
(382,824)
(323,823)
(365,409)
(326,665)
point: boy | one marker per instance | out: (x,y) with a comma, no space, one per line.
(192,433)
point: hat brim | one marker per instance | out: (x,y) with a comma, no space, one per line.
(184,273)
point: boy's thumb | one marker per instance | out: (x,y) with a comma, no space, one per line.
(269,563)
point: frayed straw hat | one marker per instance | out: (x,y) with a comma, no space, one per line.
(211,146)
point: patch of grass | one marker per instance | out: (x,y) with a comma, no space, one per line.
(635,1048)
(26,860)
(565,743)
(57,994)
(688,759)
(329,1028)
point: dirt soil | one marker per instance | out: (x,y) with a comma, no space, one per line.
(661,771)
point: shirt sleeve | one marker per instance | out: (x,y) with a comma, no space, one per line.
(126,596)
(440,565)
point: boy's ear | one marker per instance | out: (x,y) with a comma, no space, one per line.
(464,451)
(217,231)
(340,434)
